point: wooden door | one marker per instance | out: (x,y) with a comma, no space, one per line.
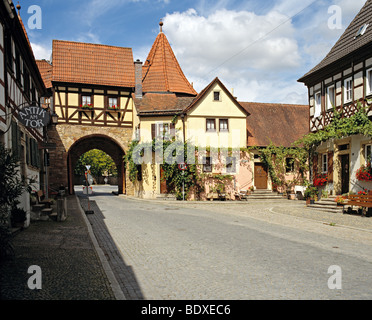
(163,183)
(345,175)
(260,176)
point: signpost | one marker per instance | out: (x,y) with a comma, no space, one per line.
(88,189)
(183,166)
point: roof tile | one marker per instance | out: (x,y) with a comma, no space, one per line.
(92,64)
(162,72)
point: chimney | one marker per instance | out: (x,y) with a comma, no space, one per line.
(138,79)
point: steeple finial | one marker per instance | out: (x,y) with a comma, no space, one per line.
(18,6)
(161,25)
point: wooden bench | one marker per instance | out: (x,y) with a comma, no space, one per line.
(363,201)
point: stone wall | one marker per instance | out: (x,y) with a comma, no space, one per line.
(66,136)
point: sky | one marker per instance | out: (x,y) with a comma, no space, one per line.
(257,48)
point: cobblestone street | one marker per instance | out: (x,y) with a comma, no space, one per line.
(272,250)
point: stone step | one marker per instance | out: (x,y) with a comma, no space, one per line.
(169,197)
(320,207)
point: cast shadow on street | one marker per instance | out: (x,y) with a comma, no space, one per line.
(123,273)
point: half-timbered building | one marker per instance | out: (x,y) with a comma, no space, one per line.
(92,88)
(341,81)
(20,84)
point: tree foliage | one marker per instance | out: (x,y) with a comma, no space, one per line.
(100,162)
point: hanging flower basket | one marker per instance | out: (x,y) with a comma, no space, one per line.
(364,173)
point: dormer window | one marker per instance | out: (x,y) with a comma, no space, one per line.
(361,30)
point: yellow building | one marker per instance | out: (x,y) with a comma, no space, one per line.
(168,107)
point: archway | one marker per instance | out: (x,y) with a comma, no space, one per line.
(100,142)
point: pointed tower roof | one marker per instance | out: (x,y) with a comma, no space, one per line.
(162,72)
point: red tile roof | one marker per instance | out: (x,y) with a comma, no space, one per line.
(282,124)
(162,72)
(97,64)
(161,104)
(46,70)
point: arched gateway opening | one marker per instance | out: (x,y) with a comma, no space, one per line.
(100,142)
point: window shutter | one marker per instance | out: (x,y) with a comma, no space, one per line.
(38,163)
(153,131)
(27,150)
(330,167)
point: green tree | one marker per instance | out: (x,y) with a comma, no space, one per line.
(12,186)
(99,161)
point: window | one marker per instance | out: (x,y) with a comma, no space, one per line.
(137,133)
(330,97)
(9,51)
(216,96)
(230,165)
(224,125)
(289,165)
(324,162)
(211,125)
(318,104)
(369,81)
(113,103)
(18,66)
(26,81)
(348,90)
(207,164)
(361,30)
(86,102)
(368,153)
(163,130)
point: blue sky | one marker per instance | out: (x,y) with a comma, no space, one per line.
(258,48)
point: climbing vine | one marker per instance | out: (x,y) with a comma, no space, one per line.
(179,182)
(340,127)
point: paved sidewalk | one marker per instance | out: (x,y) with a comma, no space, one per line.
(71,264)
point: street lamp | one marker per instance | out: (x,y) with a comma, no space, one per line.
(54,118)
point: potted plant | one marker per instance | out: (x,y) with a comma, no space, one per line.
(18,217)
(340,200)
(310,194)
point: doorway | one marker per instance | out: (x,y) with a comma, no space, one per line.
(345,175)
(260,176)
(163,182)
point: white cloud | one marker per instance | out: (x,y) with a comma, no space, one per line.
(41,52)
(248,52)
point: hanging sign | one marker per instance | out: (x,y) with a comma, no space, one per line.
(33,116)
